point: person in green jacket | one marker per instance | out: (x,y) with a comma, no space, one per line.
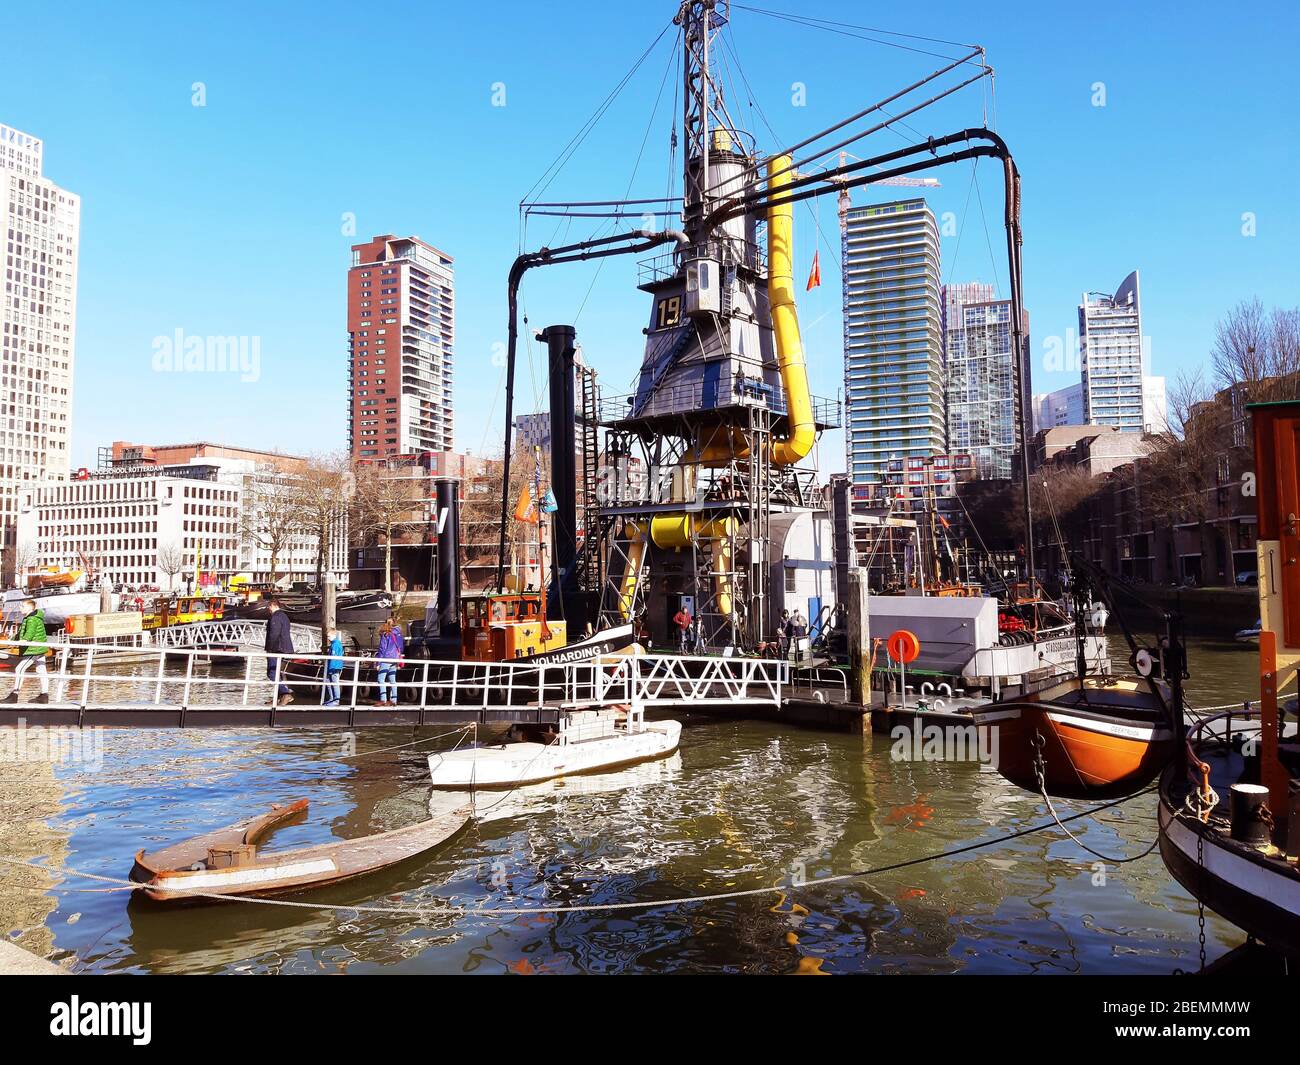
(32,656)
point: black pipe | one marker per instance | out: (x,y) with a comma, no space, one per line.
(764,199)
(569,253)
(448,517)
(997,148)
(564,472)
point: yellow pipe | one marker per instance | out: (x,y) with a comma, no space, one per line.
(677,531)
(635,555)
(785,321)
(724,444)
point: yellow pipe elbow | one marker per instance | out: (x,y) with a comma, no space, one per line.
(785,320)
(676,531)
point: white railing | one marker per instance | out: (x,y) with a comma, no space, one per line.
(239,632)
(178,678)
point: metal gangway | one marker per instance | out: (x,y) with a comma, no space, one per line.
(203,686)
(227,635)
(234,632)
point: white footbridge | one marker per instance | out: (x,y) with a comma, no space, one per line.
(201,678)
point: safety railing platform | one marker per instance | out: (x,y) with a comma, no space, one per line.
(213,688)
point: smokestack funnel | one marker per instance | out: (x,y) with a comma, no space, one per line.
(447,497)
(559,340)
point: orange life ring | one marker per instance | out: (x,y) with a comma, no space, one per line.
(903,646)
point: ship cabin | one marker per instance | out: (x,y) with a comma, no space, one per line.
(504,626)
(183,610)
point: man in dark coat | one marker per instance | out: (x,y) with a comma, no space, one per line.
(279,641)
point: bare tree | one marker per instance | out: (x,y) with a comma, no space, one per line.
(24,555)
(171,560)
(385,498)
(480,513)
(323,491)
(1183,470)
(1260,350)
(271,516)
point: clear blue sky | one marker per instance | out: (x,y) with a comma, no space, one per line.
(226,219)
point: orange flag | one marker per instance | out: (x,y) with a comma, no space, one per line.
(815,275)
(524,509)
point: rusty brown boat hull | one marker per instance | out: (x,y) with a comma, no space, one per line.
(226,863)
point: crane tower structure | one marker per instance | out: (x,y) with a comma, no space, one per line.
(718,435)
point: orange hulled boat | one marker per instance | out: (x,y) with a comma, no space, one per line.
(1092,737)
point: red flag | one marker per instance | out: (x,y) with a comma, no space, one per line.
(815,275)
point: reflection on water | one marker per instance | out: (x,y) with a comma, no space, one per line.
(743,805)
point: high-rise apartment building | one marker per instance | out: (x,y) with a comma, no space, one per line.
(401,342)
(1110,347)
(38,325)
(983,406)
(893,337)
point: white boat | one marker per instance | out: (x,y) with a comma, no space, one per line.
(961,640)
(586,741)
(532,799)
(56,605)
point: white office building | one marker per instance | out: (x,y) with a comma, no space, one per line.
(134,527)
(1113,359)
(38,326)
(1065,407)
(1155,405)
(1062,407)
(144,524)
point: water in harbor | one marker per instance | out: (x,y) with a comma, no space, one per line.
(744,804)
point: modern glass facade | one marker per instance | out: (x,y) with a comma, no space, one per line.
(983,413)
(893,338)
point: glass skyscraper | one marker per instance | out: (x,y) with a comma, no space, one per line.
(893,337)
(983,413)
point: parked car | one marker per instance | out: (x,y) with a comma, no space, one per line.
(1247,577)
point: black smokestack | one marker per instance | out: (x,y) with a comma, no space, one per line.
(448,519)
(564,475)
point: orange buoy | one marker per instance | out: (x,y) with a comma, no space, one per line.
(903,646)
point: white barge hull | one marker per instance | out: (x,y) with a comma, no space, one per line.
(531,763)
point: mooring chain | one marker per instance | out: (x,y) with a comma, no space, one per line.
(1200,905)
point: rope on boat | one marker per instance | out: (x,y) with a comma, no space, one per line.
(1243,704)
(422,739)
(591,907)
(1040,772)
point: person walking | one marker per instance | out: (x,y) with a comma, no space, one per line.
(279,642)
(783,634)
(798,630)
(682,619)
(391,649)
(32,632)
(333,668)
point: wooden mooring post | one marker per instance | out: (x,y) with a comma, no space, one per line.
(859,633)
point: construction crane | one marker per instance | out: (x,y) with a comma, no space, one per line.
(844,202)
